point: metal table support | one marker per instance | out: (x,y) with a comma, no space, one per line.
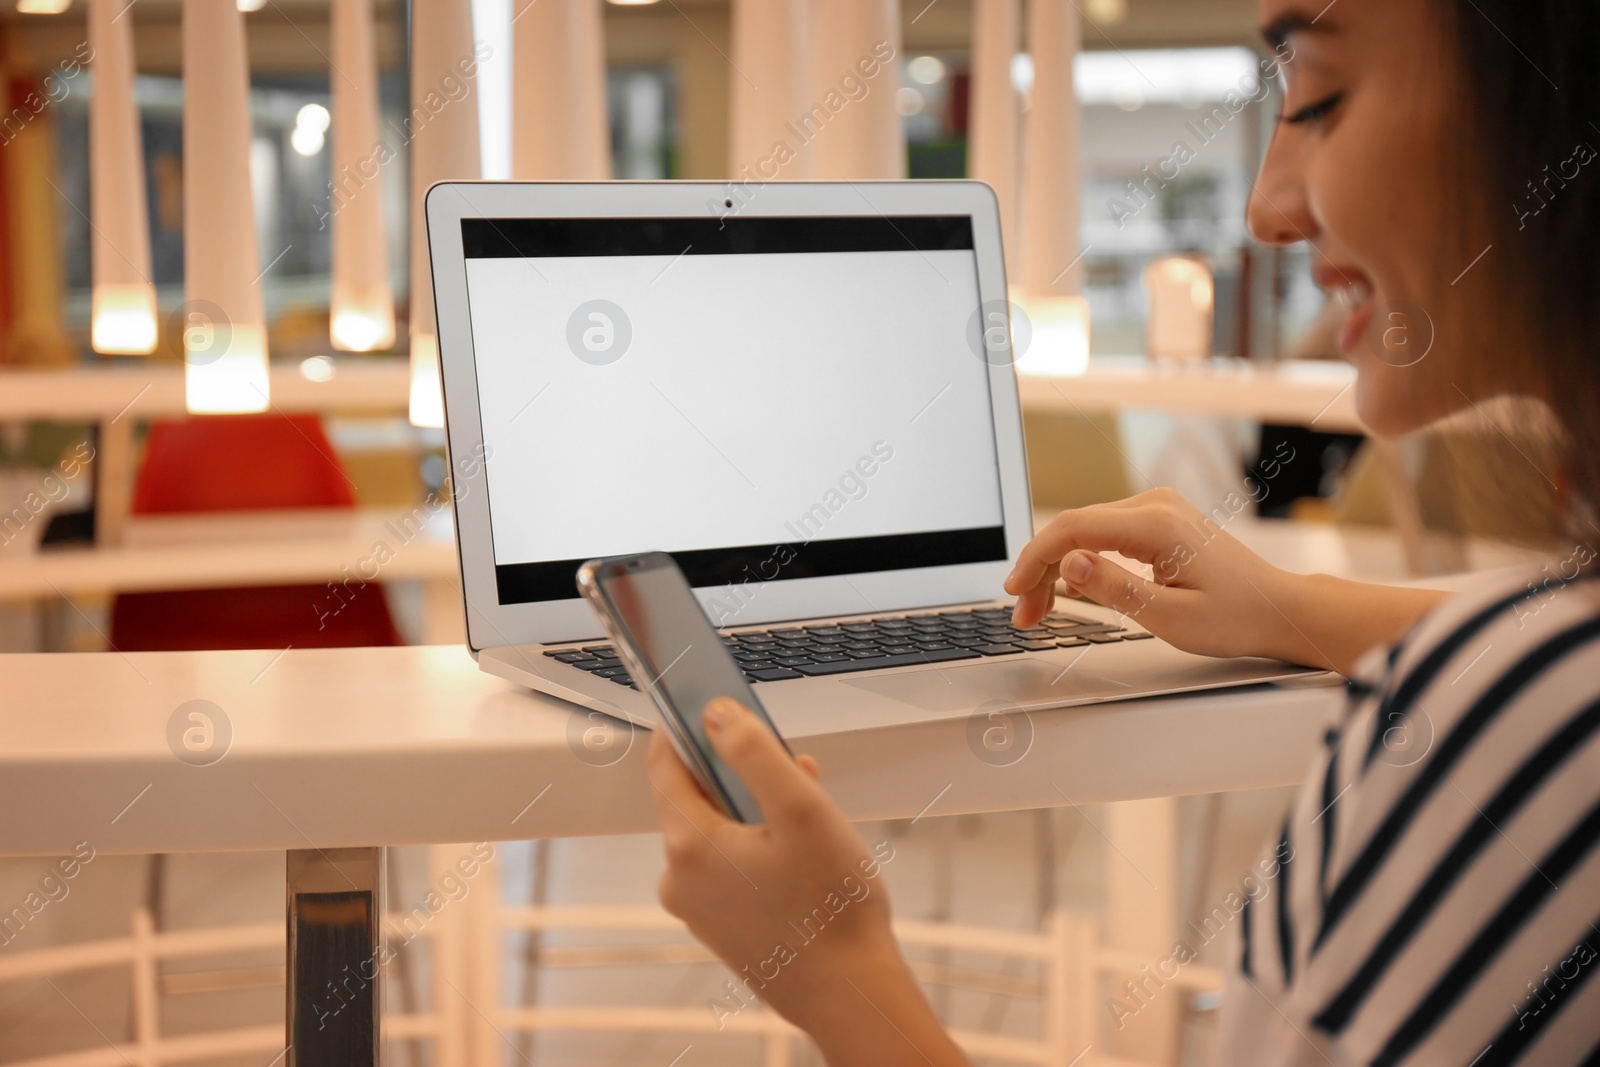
(334,899)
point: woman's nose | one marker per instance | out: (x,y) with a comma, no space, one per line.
(1278,212)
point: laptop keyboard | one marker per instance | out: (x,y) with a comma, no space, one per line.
(872,644)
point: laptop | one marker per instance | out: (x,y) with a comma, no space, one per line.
(797,390)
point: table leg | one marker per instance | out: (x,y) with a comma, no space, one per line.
(442,622)
(334,899)
(113,484)
(1141,879)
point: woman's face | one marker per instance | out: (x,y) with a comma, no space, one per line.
(1361,167)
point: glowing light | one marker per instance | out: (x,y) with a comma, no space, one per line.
(123,319)
(909,101)
(222,319)
(234,382)
(306,141)
(1022,72)
(633,3)
(1179,323)
(313,117)
(1106,12)
(362,331)
(1060,347)
(928,70)
(317,369)
(361,304)
(252,5)
(42,7)
(427,399)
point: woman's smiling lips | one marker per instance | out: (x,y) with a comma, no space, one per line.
(1355,293)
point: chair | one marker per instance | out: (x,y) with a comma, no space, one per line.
(243,463)
(469,1022)
(1071,960)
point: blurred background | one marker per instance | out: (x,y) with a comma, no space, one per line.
(1171,350)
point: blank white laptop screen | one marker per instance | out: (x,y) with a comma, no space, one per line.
(721,388)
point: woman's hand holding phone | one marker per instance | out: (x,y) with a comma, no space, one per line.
(795,906)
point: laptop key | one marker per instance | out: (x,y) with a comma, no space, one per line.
(1102,639)
(569,657)
(772,674)
(1080,629)
(1072,642)
(594,666)
(865,653)
(1137,635)
(791,661)
(612,672)
(600,650)
(912,659)
(1035,646)
(996,650)
(1067,617)
(831,657)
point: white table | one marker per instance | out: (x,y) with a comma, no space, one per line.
(330,753)
(115,397)
(1313,393)
(372,746)
(154,390)
(229,549)
(408,745)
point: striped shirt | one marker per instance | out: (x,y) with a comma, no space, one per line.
(1437,898)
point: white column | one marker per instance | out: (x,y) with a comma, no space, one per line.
(444,145)
(852,122)
(123,313)
(1050,270)
(1141,892)
(769,87)
(992,146)
(1051,177)
(560,130)
(361,310)
(224,325)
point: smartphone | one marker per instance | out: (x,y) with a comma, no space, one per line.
(673,653)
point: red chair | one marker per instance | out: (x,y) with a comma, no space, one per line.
(245,463)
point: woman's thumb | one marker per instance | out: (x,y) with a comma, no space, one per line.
(753,752)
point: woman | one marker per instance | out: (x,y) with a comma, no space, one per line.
(1435,908)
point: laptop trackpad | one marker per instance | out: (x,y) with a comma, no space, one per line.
(1023,683)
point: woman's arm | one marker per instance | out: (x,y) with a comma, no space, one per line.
(1332,622)
(795,906)
(1210,594)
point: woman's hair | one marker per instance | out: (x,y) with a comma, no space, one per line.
(1530,78)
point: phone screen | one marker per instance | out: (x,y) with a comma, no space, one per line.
(687,663)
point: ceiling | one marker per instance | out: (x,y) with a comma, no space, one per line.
(291,36)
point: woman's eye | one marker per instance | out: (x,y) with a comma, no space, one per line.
(1314,112)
